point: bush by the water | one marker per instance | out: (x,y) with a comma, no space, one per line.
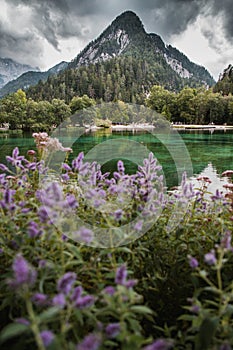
(169,289)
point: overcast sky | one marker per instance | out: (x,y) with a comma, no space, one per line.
(43,33)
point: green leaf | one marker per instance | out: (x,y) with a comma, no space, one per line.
(206,333)
(12,330)
(51,312)
(186,318)
(140,309)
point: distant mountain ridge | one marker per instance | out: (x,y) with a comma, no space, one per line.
(10,69)
(31,78)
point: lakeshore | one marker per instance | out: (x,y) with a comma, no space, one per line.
(201,127)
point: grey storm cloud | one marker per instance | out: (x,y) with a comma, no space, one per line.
(63,18)
(24,44)
(54,20)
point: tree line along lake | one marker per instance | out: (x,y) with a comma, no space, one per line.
(210,151)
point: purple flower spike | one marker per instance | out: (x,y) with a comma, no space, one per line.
(40,299)
(130,283)
(66,167)
(118,214)
(120,167)
(71,201)
(77,293)
(3,167)
(159,344)
(23,272)
(47,337)
(193,263)
(23,321)
(66,282)
(59,300)
(210,258)
(121,275)
(86,301)
(33,229)
(112,330)
(226,241)
(110,290)
(90,342)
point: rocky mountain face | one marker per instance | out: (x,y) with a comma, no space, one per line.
(225,82)
(31,78)
(127,36)
(10,69)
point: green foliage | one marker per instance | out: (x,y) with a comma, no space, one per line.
(191,106)
(105,123)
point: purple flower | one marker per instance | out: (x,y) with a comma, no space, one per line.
(210,258)
(40,299)
(77,162)
(130,283)
(112,330)
(109,290)
(86,301)
(44,214)
(71,201)
(159,344)
(218,195)
(120,167)
(66,282)
(8,196)
(138,225)
(195,309)
(65,177)
(23,272)
(64,237)
(33,229)
(90,342)
(66,167)
(15,159)
(42,263)
(47,337)
(116,175)
(118,214)
(121,275)
(3,167)
(32,166)
(226,241)
(77,293)
(193,263)
(84,234)
(23,321)
(59,300)
(15,152)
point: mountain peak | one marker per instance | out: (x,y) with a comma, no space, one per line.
(127,21)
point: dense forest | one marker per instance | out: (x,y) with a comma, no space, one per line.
(190,105)
(125,78)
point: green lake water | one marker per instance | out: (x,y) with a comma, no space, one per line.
(210,152)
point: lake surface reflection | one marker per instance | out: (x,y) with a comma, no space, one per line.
(211,153)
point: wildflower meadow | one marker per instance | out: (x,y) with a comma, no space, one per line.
(88,261)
